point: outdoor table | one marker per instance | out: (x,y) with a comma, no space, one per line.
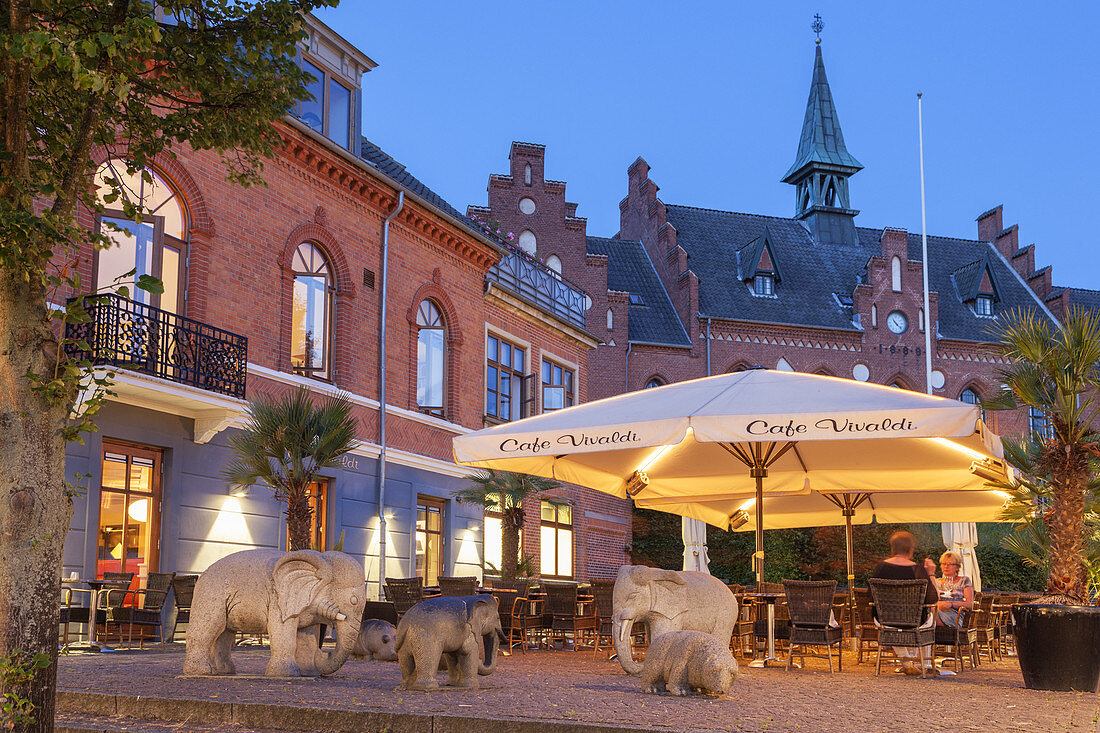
(771,599)
(582,601)
(96,585)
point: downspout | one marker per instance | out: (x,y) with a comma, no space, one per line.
(382,395)
(708,346)
(626,367)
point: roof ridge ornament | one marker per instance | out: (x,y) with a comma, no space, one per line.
(817,27)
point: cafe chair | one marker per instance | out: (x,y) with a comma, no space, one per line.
(864,623)
(142,607)
(404,593)
(457,586)
(813,623)
(566,617)
(183,590)
(904,618)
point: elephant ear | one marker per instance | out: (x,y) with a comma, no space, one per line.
(471,607)
(666,598)
(298,579)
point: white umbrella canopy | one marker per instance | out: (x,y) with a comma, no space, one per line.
(742,434)
(694,534)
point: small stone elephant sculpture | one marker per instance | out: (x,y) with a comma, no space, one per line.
(687,661)
(286,595)
(458,630)
(377,641)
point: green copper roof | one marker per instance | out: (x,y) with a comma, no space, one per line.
(822,141)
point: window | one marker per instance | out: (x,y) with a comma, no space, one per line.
(636,299)
(1039,424)
(610,320)
(156,246)
(654,382)
(494,538)
(920,320)
(129,510)
(311,316)
(329,114)
(895,274)
(556,541)
(983,305)
(508,395)
(554,263)
(429,539)
(527,175)
(763,284)
(557,387)
(527,241)
(429,359)
(318,519)
(970,397)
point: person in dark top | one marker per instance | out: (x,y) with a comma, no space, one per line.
(900,566)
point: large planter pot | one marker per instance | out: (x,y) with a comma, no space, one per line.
(1058,646)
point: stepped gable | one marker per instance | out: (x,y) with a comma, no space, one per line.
(654,320)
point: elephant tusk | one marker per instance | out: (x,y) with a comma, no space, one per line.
(622,631)
(340,616)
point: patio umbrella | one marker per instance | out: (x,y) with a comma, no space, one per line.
(739,435)
(962,537)
(694,534)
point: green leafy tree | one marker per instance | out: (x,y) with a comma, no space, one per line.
(286,442)
(79,79)
(505,492)
(1053,370)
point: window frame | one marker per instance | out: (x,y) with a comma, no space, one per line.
(318,521)
(426,503)
(983,305)
(440,410)
(569,392)
(1038,423)
(520,380)
(154,496)
(329,76)
(557,525)
(763,284)
(323,372)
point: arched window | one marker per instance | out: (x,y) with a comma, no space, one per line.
(610,320)
(920,320)
(654,382)
(527,241)
(311,318)
(554,263)
(527,175)
(156,246)
(895,274)
(970,397)
(429,359)
(874,316)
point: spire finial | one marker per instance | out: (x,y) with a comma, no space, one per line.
(817,27)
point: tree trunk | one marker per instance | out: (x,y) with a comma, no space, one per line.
(1066,521)
(511,522)
(298,520)
(34,508)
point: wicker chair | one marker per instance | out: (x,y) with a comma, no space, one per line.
(523,587)
(985,623)
(604,593)
(457,586)
(563,618)
(743,630)
(866,631)
(71,612)
(901,611)
(404,593)
(963,638)
(1002,609)
(511,607)
(810,604)
(142,608)
(183,591)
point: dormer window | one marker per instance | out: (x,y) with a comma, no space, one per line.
(983,305)
(329,110)
(636,299)
(763,284)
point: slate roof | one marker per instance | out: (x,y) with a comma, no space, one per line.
(819,277)
(629,269)
(968,278)
(1079,297)
(821,141)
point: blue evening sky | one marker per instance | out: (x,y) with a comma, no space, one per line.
(712,95)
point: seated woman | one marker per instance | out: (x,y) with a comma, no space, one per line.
(955,591)
(900,566)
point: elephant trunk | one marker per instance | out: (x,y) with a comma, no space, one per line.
(346,634)
(491,644)
(620,632)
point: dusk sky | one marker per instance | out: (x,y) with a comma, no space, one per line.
(712,95)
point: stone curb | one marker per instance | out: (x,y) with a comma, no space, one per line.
(279,716)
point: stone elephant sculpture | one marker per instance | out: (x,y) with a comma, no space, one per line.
(457,630)
(377,639)
(668,600)
(286,595)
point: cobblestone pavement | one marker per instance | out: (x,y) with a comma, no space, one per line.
(574,686)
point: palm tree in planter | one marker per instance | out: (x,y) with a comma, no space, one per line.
(287,441)
(1053,371)
(504,492)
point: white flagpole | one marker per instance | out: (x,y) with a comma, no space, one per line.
(924,253)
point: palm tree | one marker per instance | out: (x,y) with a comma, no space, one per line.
(1053,370)
(504,492)
(287,441)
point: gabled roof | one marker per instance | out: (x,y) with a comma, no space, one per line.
(822,142)
(974,279)
(629,269)
(757,256)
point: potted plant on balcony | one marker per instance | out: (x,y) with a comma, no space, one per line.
(1053,371)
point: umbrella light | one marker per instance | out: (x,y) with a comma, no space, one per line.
(738,436)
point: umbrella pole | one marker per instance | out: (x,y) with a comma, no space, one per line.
(759,472)
(848,511)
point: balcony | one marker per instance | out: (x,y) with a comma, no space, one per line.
(130,335)
(539,285)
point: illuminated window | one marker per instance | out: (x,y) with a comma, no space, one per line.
(429,539)
(318,519)
(508,394)
(557,387)
(129,510)
(429,359)
(494,540)
(311,313)
(556,541)
(156,246)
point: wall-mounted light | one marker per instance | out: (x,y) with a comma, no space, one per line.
(739,519)
(238,491)
(637,481)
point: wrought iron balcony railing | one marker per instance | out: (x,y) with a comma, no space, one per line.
(131,335)
(541,286)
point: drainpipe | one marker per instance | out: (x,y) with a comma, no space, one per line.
(626,367)
(708,345)
(382,395)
